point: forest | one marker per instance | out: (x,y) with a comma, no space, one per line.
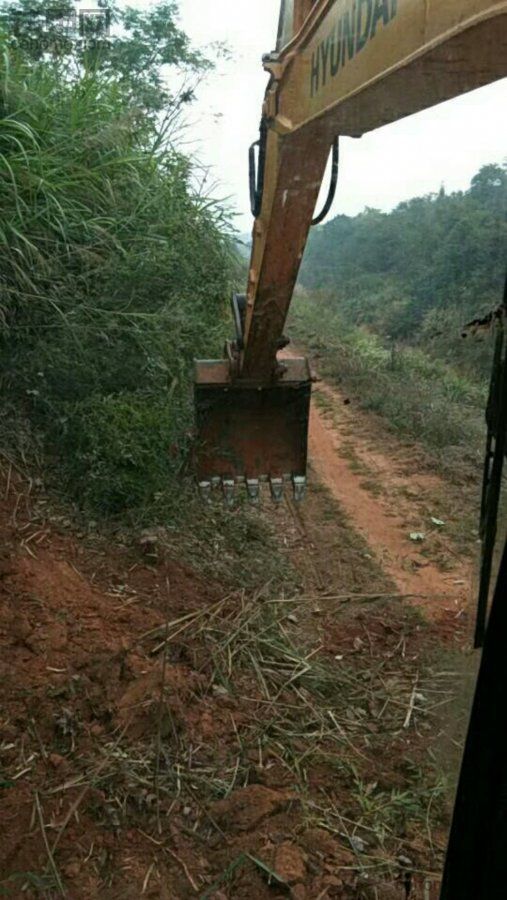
(421,272)
(385,297)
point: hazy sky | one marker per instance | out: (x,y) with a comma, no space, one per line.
(445,145)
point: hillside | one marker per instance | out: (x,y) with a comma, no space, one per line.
(382,304)
(420,272)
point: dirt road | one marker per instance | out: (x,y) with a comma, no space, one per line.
(387,496)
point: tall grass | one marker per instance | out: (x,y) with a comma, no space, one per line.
(113,276)
(418,395)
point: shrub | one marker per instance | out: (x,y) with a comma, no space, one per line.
(113,276)
(118,450)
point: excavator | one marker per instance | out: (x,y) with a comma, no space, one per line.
(343,68)
(340,67)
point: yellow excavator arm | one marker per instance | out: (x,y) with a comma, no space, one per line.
(341,67)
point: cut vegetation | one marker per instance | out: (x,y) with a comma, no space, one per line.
(163,737)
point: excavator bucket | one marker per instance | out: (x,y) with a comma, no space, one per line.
(247,434)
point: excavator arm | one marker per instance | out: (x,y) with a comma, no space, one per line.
(341,67)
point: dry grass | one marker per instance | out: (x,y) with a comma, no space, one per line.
(327,724)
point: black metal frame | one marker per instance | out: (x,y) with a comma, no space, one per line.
(476,861)
(493,467)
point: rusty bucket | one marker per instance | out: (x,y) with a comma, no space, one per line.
(248,433)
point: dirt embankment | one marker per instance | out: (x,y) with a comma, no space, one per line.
(280,746)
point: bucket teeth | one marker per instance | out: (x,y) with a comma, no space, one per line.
(205,490)
(299,488)
(253,490)
(229,491)
(277,489)
(234,487)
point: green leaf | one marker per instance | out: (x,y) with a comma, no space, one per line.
(7,783)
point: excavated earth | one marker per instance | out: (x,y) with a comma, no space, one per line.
(216,770)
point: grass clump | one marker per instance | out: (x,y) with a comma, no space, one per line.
(113,276)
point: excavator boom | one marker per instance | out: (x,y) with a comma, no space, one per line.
(341,67)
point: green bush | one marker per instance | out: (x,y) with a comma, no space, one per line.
(114,274)
(120,450)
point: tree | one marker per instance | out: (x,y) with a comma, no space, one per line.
(132,47)
(489,187)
